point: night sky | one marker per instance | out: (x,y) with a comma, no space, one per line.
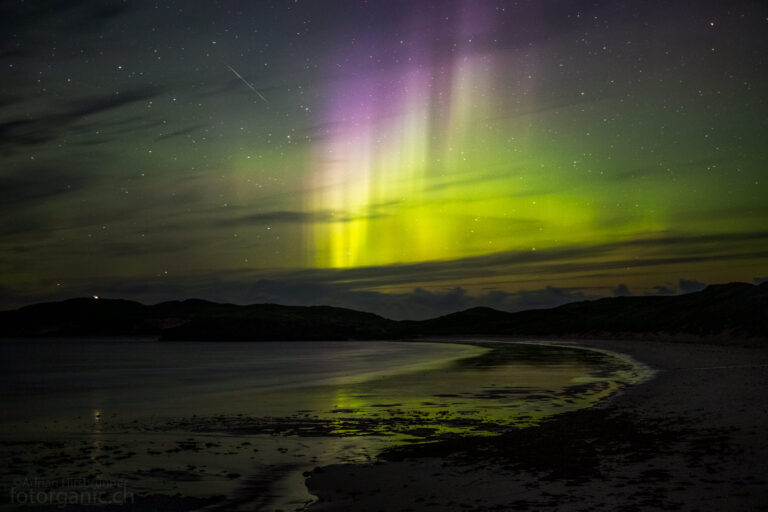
(409,158)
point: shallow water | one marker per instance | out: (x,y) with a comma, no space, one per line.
(244,420)
(65,379)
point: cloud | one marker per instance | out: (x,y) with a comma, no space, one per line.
(547,297)
(277,217)
(691,164)
(621,291)
(760,280)
(34,182)
(662,290)
(180,133)
(291,217)
(686,286)
(683,286)
(101,103)
(42,129)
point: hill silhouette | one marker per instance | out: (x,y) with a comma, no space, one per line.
(719,312)
(192,319)
(735,311)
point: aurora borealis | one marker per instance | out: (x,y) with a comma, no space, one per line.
(409,158)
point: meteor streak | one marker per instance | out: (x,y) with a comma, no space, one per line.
(251,87)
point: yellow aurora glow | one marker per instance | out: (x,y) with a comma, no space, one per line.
(417,169)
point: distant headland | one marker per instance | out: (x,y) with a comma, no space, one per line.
(727,313)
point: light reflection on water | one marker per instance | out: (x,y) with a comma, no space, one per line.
(511,385)
(190,428)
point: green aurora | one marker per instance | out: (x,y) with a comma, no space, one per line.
(405,158)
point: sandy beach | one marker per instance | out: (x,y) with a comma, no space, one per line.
(691,438)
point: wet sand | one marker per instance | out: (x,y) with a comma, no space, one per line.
(691,438)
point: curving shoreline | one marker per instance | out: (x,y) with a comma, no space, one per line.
(691,438)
